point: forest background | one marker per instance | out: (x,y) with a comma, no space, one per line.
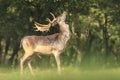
(94,25)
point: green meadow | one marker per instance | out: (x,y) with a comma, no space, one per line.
(68,73)
(93,52)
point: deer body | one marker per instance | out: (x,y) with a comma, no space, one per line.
(52,44)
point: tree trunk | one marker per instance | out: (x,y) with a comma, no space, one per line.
(14,54)
(7,44)
(105,35)
(0,50)
(103,25)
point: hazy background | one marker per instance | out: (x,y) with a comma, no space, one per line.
(94,25)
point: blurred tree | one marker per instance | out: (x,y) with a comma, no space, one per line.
(94,26)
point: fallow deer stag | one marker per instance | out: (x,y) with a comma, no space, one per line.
(46,45)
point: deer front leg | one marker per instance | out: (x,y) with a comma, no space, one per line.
(57,58)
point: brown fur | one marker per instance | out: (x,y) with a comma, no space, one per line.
(52,44)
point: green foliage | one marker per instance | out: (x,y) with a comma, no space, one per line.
(94,24)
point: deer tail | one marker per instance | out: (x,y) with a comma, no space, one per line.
(21,43)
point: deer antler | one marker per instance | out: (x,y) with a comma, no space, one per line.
(43,27)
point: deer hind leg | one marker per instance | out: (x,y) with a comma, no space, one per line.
(30,67)
(23,59)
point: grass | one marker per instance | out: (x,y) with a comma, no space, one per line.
(68,73)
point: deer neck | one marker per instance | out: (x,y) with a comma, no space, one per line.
(64,29)
(64,32)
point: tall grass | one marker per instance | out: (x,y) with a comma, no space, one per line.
(68,73)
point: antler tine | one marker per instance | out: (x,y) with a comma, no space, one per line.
(52,14)
(53,17)
(47,19)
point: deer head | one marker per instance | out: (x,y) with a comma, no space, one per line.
(61,18)
(45,27)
